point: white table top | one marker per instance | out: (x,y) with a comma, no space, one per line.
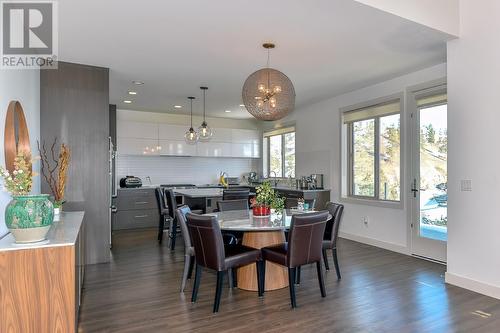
(243,220)
(62,232)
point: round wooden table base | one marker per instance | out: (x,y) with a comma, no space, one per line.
(276,275)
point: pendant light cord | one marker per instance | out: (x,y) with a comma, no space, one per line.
(204,105)
(191,112)
(268,74)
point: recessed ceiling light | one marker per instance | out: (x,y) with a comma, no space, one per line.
(227,111)
(127,101)
(178,106)
(242,105)
(132,92)
(138,83)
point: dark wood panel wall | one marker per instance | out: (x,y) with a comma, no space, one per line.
(74,107)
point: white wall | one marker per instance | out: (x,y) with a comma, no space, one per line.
(318,150)
(23,86)
(438,14)
(191,170)
(473,151)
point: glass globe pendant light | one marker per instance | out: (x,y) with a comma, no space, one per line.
(191,135)
(204,131)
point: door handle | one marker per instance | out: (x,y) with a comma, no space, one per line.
(414,188)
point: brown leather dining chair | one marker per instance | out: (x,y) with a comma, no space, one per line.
(303,247)
(331,235)
(211,253)
(235,194)
(180,214)
(162,211)
(227,205)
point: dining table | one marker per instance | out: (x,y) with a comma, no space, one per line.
(259,232)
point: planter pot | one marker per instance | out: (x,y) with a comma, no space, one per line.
(29,217)
(261,211)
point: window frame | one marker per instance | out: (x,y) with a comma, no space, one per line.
(347,153)
(281,133)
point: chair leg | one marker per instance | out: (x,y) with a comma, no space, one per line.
(218,290)
(297,275)
(336,263)
(260,284)
(291,286)
(325,259)
(234,277)
(170,226)
(191,266)
(161,226)
(185,274)
(263,276)
(173,232)
(320,279)
(230,277)
(196,286)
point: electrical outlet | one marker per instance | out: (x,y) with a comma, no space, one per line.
(466,185)
(365,220)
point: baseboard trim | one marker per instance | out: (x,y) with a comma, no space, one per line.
(474,285)
(375,242)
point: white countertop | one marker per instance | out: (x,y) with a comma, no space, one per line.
(62,232)
(200,192)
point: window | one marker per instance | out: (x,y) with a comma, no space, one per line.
(279,153)
(374,170)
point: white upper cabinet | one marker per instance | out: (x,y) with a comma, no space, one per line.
(177,148)
(172,132)
(214,149)
(136,129)
(137,138)
(245,136)
(223,135)
(136,146)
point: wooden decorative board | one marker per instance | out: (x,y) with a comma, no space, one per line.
(16,136)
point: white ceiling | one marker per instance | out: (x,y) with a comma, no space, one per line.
(326,47)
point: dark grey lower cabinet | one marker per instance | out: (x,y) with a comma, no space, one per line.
(136,208)
(321,196)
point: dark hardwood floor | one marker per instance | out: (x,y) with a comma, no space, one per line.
(380,291)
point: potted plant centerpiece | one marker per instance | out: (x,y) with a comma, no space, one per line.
(27,216)
(266,199)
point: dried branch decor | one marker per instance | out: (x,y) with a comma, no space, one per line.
(54,170)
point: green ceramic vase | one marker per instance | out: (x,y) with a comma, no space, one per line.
(29,217)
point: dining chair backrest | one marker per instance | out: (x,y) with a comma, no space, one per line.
(234,194)
(293,203)
(160,199)
(305,240)
(180,214)
(332,226)
(207,240)
(227,205)
(170,198)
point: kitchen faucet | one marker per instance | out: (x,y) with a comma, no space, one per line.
(275,177)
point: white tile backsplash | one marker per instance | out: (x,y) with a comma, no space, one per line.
(188,170)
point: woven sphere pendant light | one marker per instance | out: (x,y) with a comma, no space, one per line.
(268,94)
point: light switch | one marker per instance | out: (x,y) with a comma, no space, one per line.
(466,185)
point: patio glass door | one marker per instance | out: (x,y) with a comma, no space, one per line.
(430,177)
